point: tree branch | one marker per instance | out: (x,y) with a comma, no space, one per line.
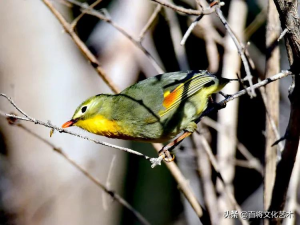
(180,9)
(86,52)
(288,14)
(249,76)
(270,96)
(90,11)
(61,130)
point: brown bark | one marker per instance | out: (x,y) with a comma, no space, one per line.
(289,20)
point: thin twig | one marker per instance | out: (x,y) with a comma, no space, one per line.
(282,34)
(200,32)
(86,52)
(194,23)
(76,20)
(107,183)
(190,29)
(248,77)
(184,10)
(149,23)
(265,82)
(61,130)
(111,193)
(254,162)
(87,10)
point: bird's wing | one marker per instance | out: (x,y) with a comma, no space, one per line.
(186,88)
(162,93)
(150,92)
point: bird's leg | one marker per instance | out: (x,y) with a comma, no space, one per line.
(165,153)
(215,104)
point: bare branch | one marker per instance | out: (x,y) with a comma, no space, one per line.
(254,162)
(87,10)
(248,77)
(86,52)
(149,23)
(282,34)
(289,18)
(270,96)
(76,20)
(193,25)
(61,130)
(265,82)
(191,28)
(107,183)
(184,10)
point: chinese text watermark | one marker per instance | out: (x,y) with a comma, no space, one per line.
(245,215)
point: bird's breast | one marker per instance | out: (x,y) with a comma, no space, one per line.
(102,126)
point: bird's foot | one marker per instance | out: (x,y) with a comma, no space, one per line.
(217,106)
(165,155)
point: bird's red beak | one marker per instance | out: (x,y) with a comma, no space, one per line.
(68,124)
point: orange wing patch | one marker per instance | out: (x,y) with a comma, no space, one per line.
(171,98)
(184,91)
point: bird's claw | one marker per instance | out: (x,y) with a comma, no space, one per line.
(168,157)
(163,155)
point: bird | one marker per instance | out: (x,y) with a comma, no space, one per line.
(153,110)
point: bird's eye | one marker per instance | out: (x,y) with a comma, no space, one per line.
(83,109)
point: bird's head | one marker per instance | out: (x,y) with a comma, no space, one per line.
(86,110)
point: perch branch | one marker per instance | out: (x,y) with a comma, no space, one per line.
(61,130)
